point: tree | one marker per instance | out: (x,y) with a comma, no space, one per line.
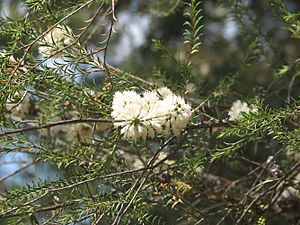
(194,121)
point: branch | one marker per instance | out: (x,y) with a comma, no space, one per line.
(30,45)
(18,170)
(58,123)
(209,124)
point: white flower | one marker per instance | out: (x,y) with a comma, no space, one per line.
(170,113)
(150,99)
(237,108)
(54,40)
(131,115)
(176,113)
(155,112)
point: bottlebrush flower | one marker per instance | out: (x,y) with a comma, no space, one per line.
(237,108)
(155,112)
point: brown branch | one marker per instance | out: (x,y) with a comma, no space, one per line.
(151,163)
(209,124)
(203,124)
(17,104)
(30,45)
(273,187)
(58,123)
(89,23)
(18,170)
(9,213)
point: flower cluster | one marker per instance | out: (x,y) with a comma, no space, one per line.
(155,112)
(237,108)
(57,38)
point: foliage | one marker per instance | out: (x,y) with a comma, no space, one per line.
(55,111)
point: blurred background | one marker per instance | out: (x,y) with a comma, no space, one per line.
(229,40)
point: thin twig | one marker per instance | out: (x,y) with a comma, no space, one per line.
(58,123)
(18,170)
(30,45)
